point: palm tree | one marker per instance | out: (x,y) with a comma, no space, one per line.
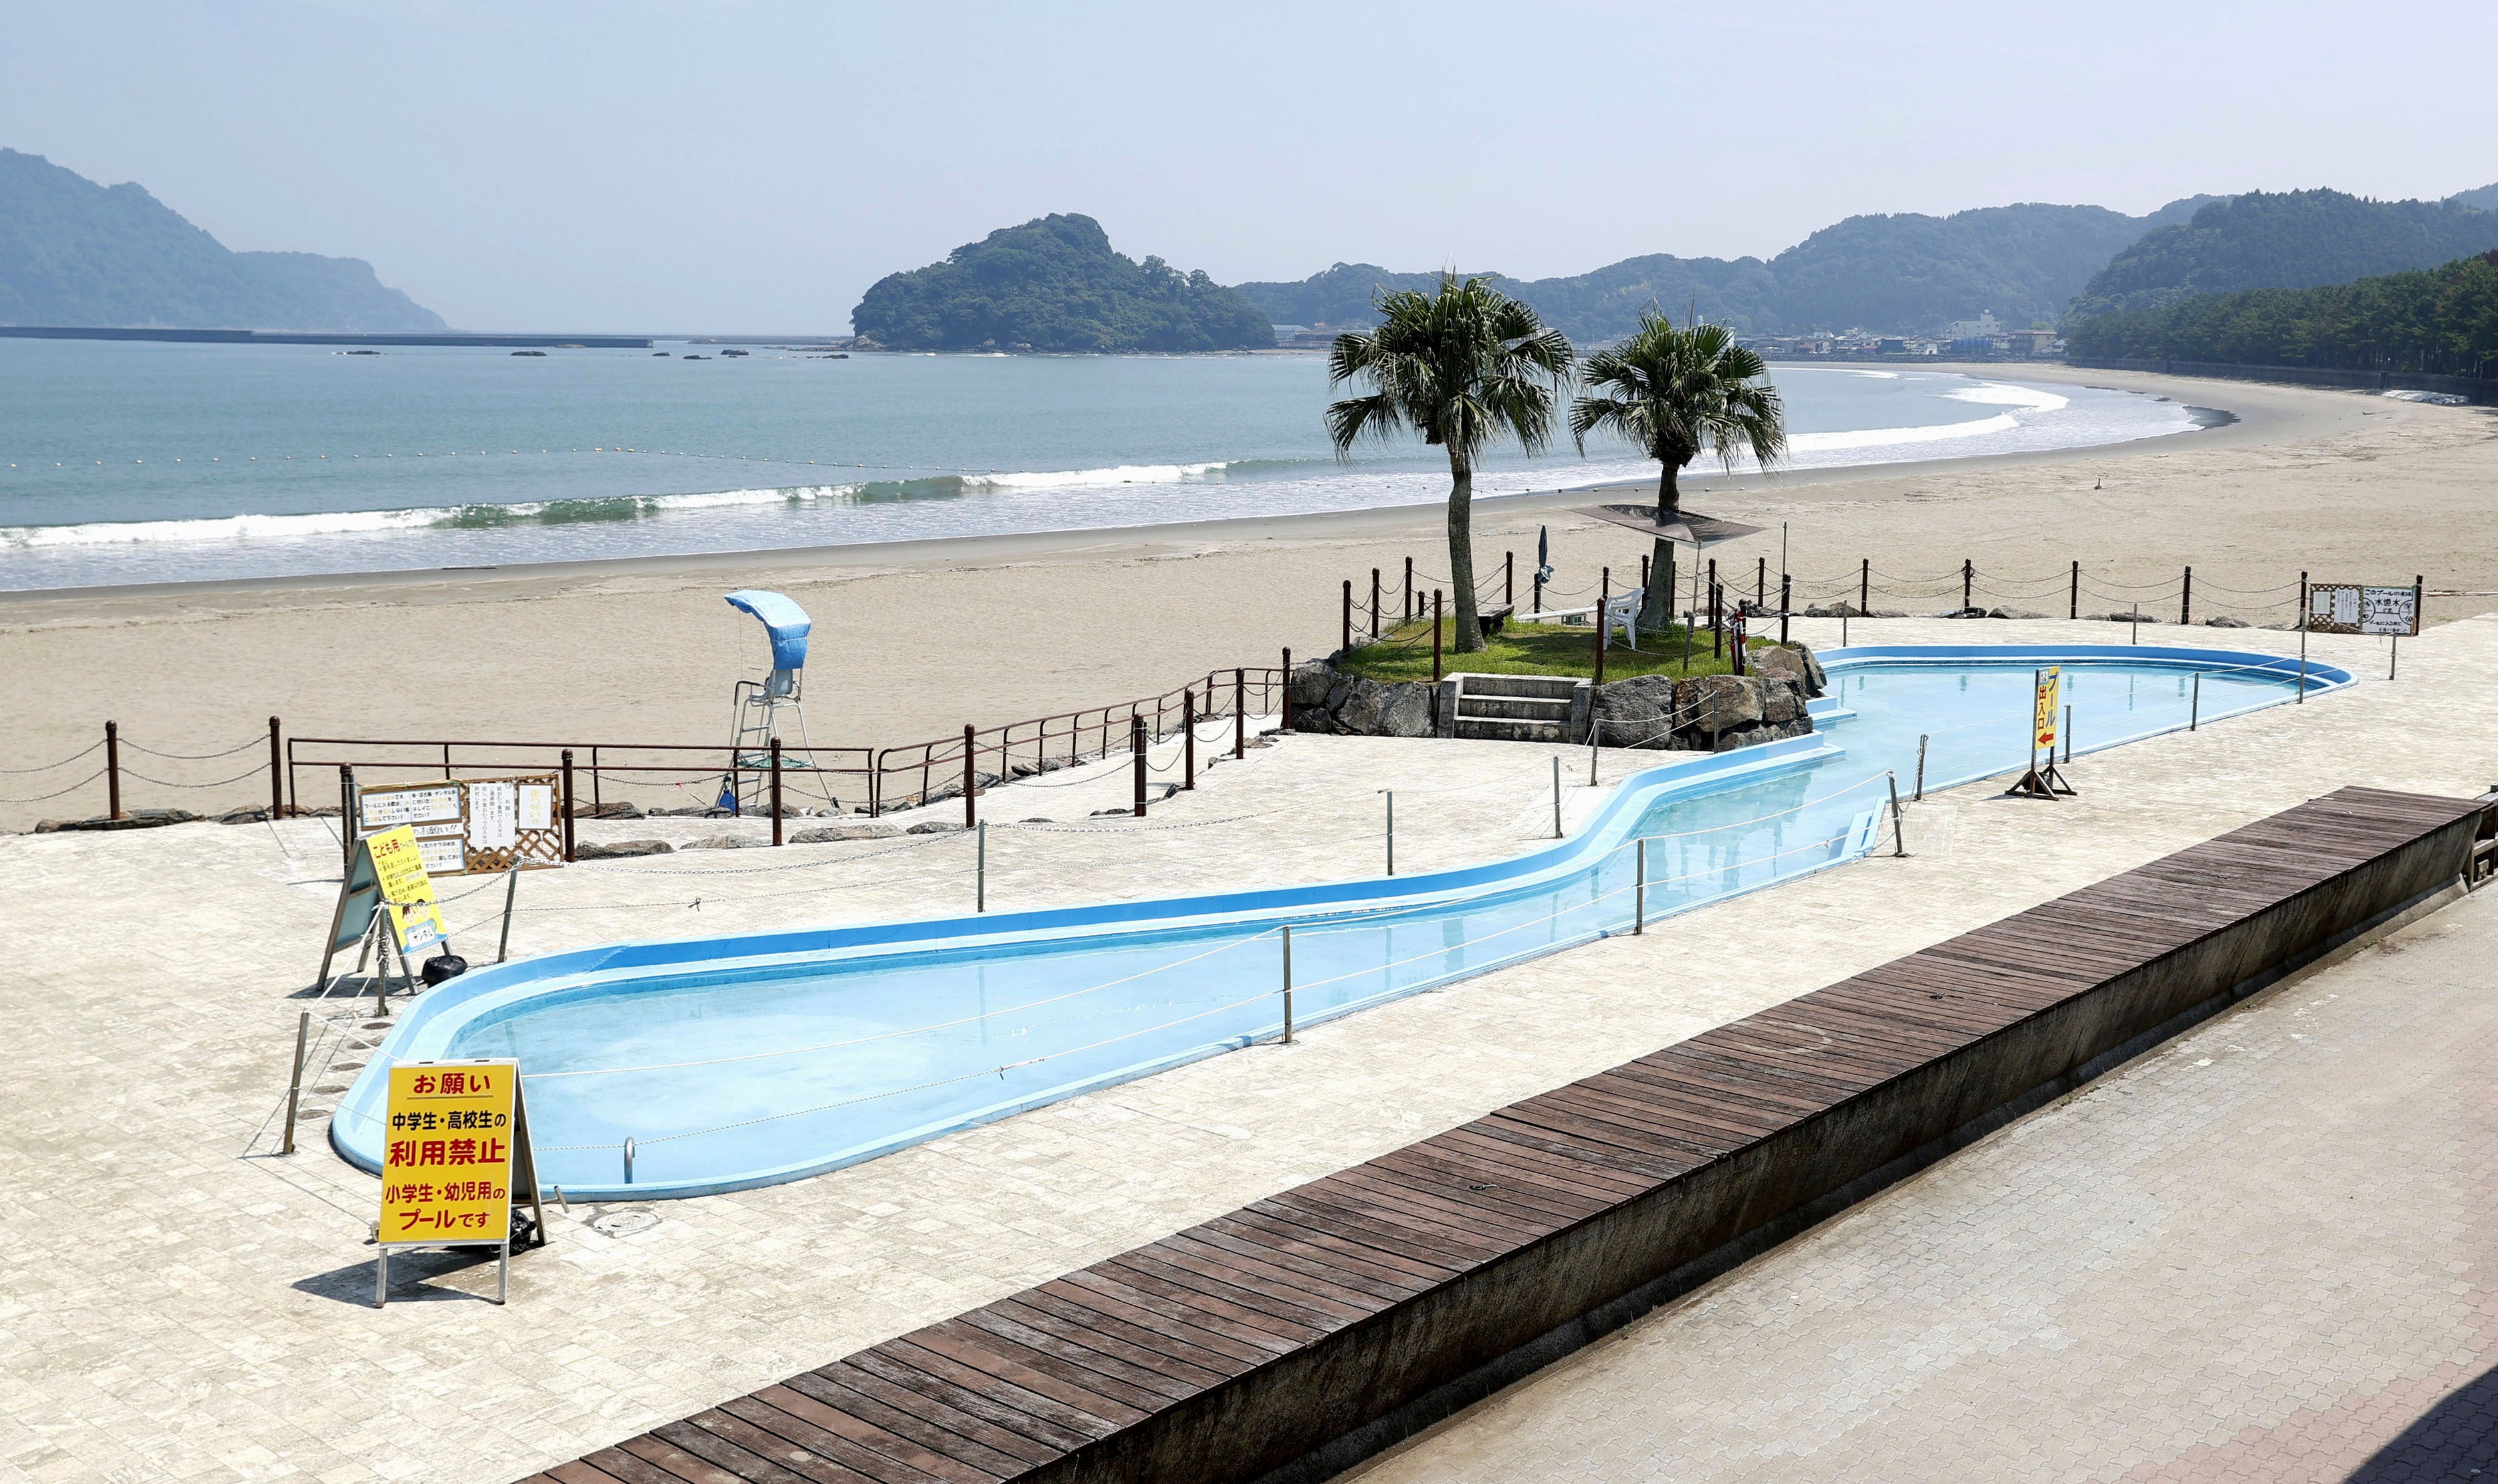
(1465,367)
(1679,394)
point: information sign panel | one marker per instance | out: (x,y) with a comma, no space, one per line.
(2050,683)
(2353,607)
(399,868)
(470,825)
(447,1157)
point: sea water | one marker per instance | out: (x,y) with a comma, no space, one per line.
(136,461)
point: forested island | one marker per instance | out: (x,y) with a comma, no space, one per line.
(76,253)
(1054,284)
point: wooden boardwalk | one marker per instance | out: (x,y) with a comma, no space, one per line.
(1243,1344)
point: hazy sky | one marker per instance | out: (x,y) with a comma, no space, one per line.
(755,166)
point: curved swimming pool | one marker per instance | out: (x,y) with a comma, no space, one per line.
(735,1062)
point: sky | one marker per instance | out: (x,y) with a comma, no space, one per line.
(647,165)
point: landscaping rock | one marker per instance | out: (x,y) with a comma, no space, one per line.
(2225,621)
(617,850)
(1364,710)
(245,815)
(619,809)
(1635,712)
(1792,662)
(935,827)
(133,819)
(1311,683)
(1408,710)
(825,835)
(722,842)
(2014,613)
(1715,704)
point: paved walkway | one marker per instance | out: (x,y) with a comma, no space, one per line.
(2267,1251)
(181,1304)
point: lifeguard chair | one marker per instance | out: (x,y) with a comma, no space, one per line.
(769,708)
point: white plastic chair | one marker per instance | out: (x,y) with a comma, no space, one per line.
(1621,611)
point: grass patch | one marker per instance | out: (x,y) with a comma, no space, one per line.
(1404,653)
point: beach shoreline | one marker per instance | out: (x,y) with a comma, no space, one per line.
(915,639)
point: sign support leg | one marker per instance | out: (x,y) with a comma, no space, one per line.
(382,1275)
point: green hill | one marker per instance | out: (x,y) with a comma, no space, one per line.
(1894,274)
(2441,320)
(2292,239)
(73,252)
(1053,284)
(2484,199)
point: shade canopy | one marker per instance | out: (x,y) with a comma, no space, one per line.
(1692,529)
(784,620)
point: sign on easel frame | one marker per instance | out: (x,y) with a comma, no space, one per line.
(456,1162)
(471,826)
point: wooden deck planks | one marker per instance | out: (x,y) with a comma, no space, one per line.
(1018,1385)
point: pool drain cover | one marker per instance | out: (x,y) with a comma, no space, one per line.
(625,1221)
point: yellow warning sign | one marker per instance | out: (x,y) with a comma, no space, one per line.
(447,1157)
(398,865)
(2050,681)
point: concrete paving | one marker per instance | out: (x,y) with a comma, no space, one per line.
(183,1304)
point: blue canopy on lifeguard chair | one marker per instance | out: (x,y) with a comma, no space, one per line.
(787,623)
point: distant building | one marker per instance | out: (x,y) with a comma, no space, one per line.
(2031,342)
(1986,327)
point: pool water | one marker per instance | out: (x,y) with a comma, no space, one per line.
(726,1074)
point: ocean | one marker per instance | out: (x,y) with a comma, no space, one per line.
(141,463)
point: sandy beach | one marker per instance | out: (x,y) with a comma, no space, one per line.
(915,639)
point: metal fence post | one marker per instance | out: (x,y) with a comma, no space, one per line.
(1288,984)
(295,1082)
(1968,583)
(1435,636)
(511,893)
(1409,589)
(1786,603)
(2195,706)
(1188,735)
(2074,606)
(1347,645)
(346,814)
(1391,829)
(1509,579)
(1863,585)
(971,777)
(1284,697)
(1899,838)
(776,791)
(1137,746)
(568,854)
(980,873)
(2185,599)
(1557,796)
(1239,712)
(1761,584)
(1922,738)
(111,770)
(277,774)
(1374,602)
(1639,893)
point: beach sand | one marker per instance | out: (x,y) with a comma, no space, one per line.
(915,639)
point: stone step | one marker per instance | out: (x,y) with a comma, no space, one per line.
(1499,729)
(1542,687)
(1476,708)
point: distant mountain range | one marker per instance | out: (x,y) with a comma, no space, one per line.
(73,252)
(2030,264)
(2295,239)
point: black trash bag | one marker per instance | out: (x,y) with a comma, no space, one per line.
(442,966)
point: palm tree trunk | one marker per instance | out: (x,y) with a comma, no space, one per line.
(1657,608)
(1461,551)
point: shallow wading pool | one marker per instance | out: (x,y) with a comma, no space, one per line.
(742,1061)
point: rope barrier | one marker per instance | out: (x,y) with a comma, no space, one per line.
(72,788)
(193,757)
(129,773)
(63,763)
